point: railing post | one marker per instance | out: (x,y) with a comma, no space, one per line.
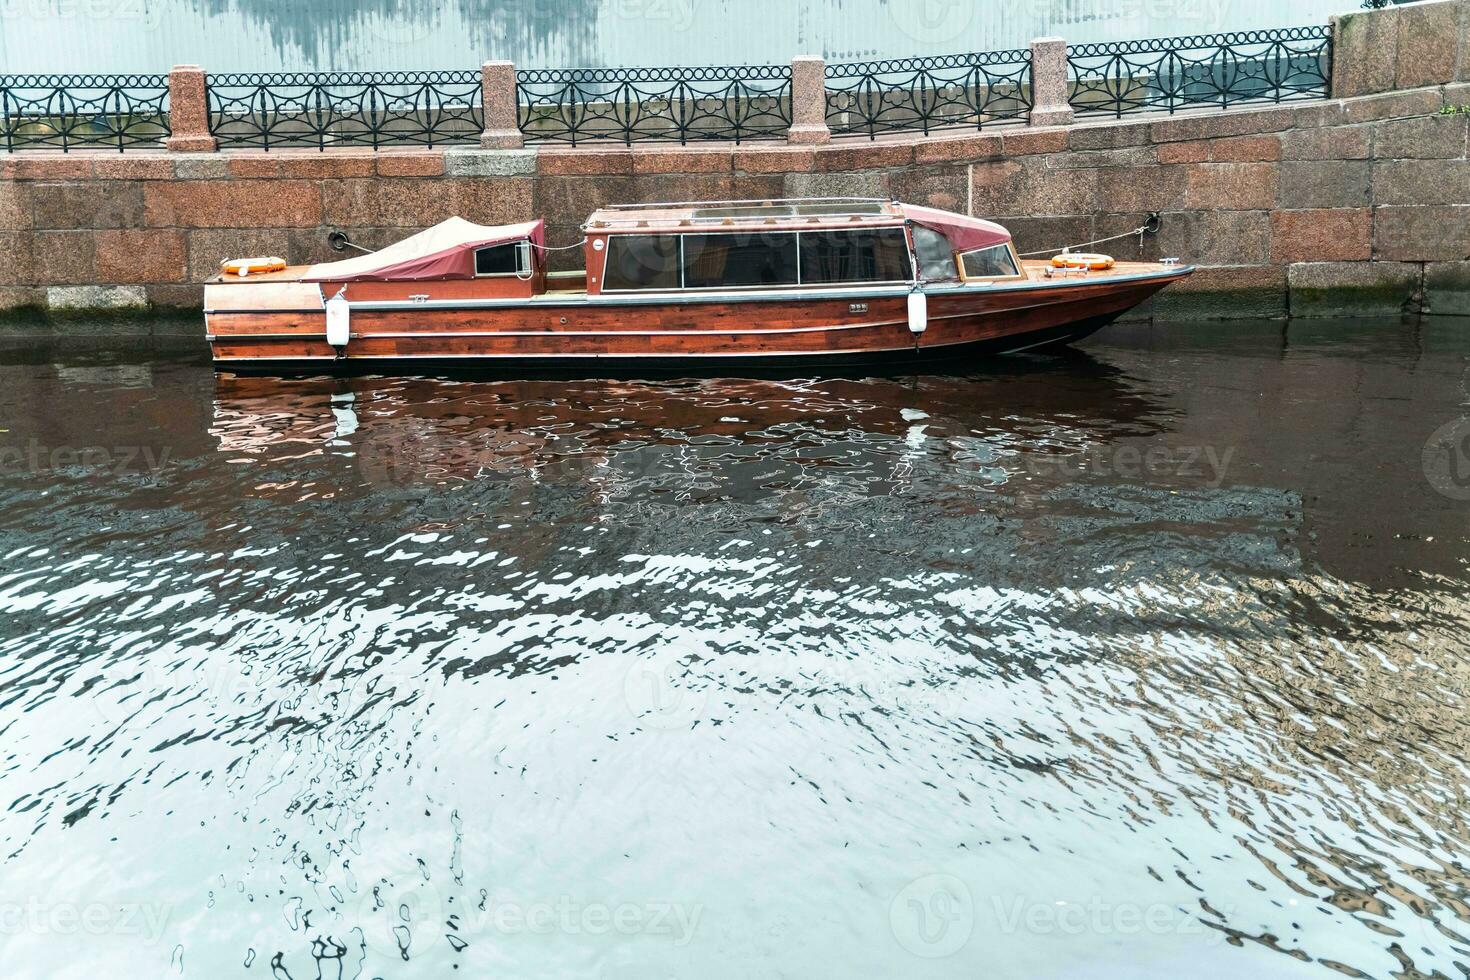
(1049,103)
(808,101)
(498,101)
(188,112)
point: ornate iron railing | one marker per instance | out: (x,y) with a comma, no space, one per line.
(924,94)
(1218,70)
(637,104)
(64,112)
(322,109)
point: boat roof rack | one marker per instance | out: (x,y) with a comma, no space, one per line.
(767,211)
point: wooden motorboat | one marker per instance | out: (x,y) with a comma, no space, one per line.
(809,282)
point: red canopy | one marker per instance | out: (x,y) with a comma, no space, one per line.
(965,233)
(445,251)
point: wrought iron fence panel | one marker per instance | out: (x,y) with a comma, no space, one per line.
(924,94)
(65,112)
(632,105)
(1218,70)
(322,109)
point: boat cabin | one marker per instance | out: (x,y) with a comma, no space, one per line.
(734,246)
(821,243)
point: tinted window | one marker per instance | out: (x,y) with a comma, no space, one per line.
(752,259)
(874,255)
(497,260)
(995,261)
(642,262)
(936,254)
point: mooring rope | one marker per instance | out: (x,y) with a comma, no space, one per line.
(559,248)
(1140,231)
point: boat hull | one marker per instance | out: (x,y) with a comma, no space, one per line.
(852,327)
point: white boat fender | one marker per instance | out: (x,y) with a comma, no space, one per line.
(918,312)
(339,322)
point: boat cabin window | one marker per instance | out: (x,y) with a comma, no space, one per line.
(750,259)
(510,259)
(775,258)
(989,263)
(642,262)
(936,254)
(870,255)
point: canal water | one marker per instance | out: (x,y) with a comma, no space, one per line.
(1149,660)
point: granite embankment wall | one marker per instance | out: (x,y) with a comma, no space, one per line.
(1355,205)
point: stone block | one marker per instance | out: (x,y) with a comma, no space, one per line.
(414,164)
(133,166)
(1232,186)
(582,162)
(93,299)
(1215,237)
(775,159)
(311,165)
(64,258)
(182,297)
(1447,288)
(207,248)
(1141,189)
(943,186)
(470,162)
(1421,234)
(48,166)
(1032,234)
(15,205)
(1322,235)
(1226,293)
(1428,42)
(1128,156)
(493,202)
(1333,143)
(135,255)
(1324,183)
(201,166)
(1245,149)
(1390,105)
(867,183)
(1194,151)
(567,201)
(19,303)
(1344,289)
(971,147)
(682,160)
(88,204)
(1421,138)
(1108,135)
(1215,125)
(861,154)
(232,204)
(681,187)
(1421,181)
(1364,52)
(17,247)
(1024,142)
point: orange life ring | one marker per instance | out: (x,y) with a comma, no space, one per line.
(252,267)
(1094,261)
